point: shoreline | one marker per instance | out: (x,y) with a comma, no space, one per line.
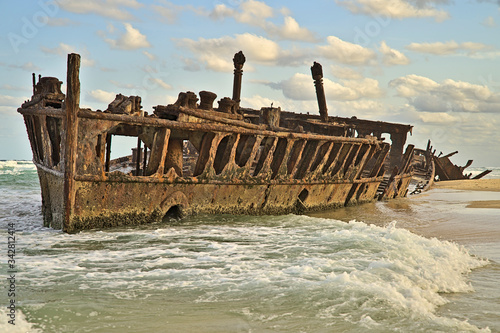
(491,185)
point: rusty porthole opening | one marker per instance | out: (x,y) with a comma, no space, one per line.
(174,213)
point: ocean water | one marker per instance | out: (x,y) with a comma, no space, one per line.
(421,264)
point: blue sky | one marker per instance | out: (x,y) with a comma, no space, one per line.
(430,63)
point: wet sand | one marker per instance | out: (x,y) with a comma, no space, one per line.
(492,185)
(470,185)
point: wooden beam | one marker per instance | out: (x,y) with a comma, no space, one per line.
(71,125)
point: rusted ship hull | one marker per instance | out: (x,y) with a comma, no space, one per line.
(237,164)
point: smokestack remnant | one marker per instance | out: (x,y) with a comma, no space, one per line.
(317,75)
(239,61)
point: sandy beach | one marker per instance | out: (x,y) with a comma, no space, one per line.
(492,185)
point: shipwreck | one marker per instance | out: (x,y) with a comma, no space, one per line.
(196,158)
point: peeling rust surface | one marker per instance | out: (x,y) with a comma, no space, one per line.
(195,158)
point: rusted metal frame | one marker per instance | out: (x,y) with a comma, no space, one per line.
(54,133)
(208,170)
(108,151)
(338,168)
(279,155)
(145,160)
(226,160)
(218,181)
(38,139)
(209,116)
(335,160)
(30,128)
(101,152)
(71,128)
(254,155)
(244,148)
(306,159)
(282,170)
(211,127)
(137,159)
(293,161)
(53,172)
(158,152)
(318,171)
(366,157)
(379,163)
(46,143)
(47,111)
(231,163)
(269,149)
(351,161)
(204,153)
(407,157)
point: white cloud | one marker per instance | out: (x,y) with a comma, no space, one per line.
(216,54)
(398,9)
(113,9)
(345,72)
(301,87)
(446,48)
(29,66)
(448,96)
(149,55)
(159,82)
(290,30)
(257,13)
(437,118)
(131,39)
(102,96)
(64,49)
(392,56)
(6,100)
(345,52)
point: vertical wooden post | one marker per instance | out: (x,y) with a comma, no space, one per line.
(108,152)
(145,160)
(71,127)
(138,158)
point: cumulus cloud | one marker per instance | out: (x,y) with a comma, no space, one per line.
(398,9)
(345,52)
(131,39)
(101,96)
(290,30)
(114,9)
(427,95)
(446,48)
(257,13)
(216,53)
(300,87)
(345,73)
(64,49)
(392,56)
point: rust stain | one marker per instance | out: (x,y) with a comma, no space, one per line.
(195,158)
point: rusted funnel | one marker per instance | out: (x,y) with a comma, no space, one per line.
(239,61)
(317,74)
